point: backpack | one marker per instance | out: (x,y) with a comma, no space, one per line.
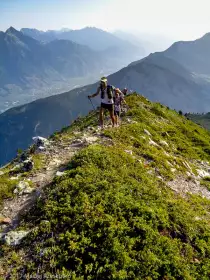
(108,91)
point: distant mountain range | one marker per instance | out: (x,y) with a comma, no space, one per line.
(92,37)
(169,77)
(26,61)
(30,68)
(150,42)
(119,52)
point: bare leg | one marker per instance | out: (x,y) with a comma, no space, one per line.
(119,120)
(116,120)
(102,117)
(112,117)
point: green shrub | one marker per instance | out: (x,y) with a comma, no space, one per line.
(110,219)
(7,187)
(39,160)
(206,182)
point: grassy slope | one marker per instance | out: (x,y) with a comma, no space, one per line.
(111,217)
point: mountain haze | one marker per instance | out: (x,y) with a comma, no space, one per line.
(194,55)
(25,57)
(164,80)
(150,42)
(27,65)
(119,52)
(42,117)
(30,68)
(92,37)
(158,77)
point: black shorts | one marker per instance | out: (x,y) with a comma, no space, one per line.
(109,107)
(117,113)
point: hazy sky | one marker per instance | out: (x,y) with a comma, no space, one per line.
(177,19)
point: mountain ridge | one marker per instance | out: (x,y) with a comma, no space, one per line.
(91,196)
(159,77)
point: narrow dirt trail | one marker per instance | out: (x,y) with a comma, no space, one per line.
(57,157)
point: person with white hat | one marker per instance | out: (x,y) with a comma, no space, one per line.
(107,100)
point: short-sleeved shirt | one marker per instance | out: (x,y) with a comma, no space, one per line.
(117,103)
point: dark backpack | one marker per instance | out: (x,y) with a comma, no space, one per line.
(108,91)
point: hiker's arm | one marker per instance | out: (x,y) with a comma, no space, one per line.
(120,92)
(123,101)
(95,94)
(122,96)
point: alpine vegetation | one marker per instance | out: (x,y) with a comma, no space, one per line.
(128,202)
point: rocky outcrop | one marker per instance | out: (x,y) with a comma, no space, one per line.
(23,187)
(14,238)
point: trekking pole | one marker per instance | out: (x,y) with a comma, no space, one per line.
(91,103)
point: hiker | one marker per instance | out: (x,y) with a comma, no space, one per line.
(107,101)
(118,100)
(125,91)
